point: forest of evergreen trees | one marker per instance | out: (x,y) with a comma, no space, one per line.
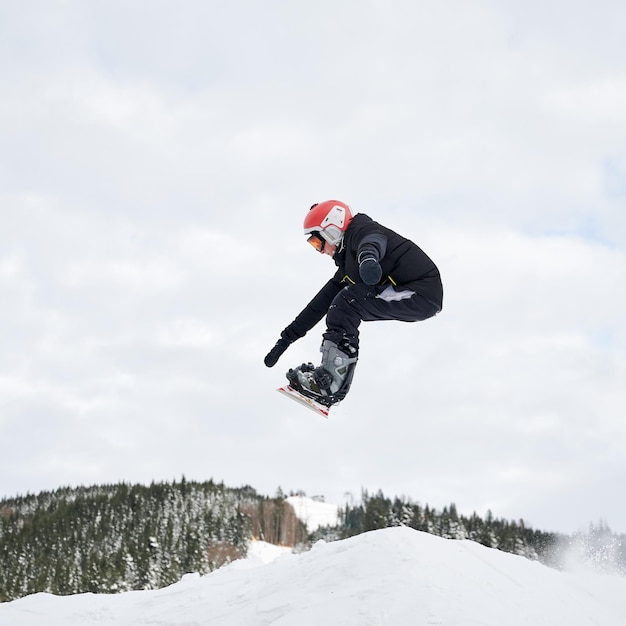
(597,547)
(120,537)
(378,511)
(113,538)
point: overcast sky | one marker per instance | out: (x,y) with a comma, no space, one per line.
(157,160)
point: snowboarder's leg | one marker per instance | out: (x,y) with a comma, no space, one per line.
(362,303)
(330,382)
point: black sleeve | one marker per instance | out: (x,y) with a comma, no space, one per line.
(314,310)
(372,245)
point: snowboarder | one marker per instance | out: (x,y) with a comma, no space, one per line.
(380,276)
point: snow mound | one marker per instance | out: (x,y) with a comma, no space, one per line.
(386,577)
(261,552)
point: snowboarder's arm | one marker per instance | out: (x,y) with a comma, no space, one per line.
(309,317)
(371,250)
(314,310)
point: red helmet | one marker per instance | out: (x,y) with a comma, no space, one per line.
(330,219)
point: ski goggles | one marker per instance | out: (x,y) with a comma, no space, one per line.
(317,241)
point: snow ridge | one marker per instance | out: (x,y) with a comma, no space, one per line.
(385,577)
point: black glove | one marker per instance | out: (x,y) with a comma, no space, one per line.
(370,270)
(274,354)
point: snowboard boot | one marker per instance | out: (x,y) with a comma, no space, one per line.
(329,383)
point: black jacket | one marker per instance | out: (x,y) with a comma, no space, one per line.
(404,265)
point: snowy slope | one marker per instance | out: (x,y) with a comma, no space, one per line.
(395,576)
(314,513)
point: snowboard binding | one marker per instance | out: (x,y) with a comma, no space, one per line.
(329,383)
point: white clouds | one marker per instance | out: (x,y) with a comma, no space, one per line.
(126,274)
(273,142)
(218,251)
(186,333)
(600,101)
(551,282)
(156,167)
(110,104)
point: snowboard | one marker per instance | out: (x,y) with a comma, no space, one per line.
(309,403)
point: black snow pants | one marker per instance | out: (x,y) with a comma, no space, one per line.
(363,303)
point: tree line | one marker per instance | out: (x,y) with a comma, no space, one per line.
(123,537)
(595,547)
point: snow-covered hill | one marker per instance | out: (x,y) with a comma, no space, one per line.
(395,576)
(314,513)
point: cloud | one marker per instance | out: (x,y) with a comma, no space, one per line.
(155,170)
